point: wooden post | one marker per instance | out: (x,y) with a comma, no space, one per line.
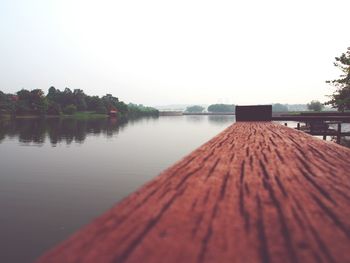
(324,137)
(285,124)
(298,126)
(339,133)
(257,192)
(254,113)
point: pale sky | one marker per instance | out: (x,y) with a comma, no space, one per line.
(159,52)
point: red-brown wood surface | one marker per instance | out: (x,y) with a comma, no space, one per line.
(257,192)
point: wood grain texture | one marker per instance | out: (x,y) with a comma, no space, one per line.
(257,192)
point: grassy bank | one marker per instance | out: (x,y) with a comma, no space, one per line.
(82,115)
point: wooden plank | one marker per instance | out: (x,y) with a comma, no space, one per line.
(257,192)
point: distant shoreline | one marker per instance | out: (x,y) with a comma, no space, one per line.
(209,113)
(180,113)
(77,115)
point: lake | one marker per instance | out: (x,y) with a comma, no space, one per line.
(58,174)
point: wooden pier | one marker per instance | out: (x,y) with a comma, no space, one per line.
(257,192)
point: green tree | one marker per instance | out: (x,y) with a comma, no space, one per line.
(32,102)
(70,109)
(110,102)
(38,101)
(278,107)
(221,108)
(54,108)
(23,103)
(93,103)
(55,96)
(53,93)
(141,110)
(79,99)
(340,99)
(66,98)
(101,109)
(122,107)
(315,105)
(195,108)
(7,103)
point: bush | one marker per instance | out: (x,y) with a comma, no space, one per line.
(70,109)
(54,109)
(140,110)
(315,105)
(101,109)
(278,107)
(195,108)
(221,108)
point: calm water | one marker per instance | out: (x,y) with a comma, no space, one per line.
(57,175)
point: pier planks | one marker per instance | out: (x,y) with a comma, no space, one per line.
(257,192)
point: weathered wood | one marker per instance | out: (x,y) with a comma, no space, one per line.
(338,132)
(257,192)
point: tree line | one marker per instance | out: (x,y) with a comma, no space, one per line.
(211,108)
(57,102)
(217,108)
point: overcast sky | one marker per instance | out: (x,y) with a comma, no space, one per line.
(160,52)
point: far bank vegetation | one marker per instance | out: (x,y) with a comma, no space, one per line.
(68,103)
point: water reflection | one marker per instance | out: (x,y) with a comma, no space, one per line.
(212,119)
(221,119)
(194,118)
(60,130)
(345,141)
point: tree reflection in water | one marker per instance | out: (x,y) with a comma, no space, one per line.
(221,119)
(59,130)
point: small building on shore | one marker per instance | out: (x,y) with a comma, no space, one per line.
(113,113)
